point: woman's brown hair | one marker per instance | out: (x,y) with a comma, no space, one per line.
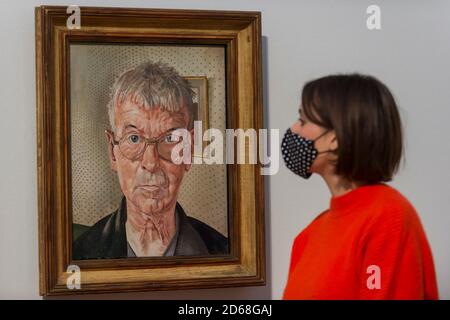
(363,113)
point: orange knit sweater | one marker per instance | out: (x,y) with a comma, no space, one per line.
(370,244)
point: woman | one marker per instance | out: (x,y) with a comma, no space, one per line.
(370,243)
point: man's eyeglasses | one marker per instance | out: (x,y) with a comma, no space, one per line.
(133,145)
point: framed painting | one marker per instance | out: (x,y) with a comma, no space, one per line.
(132,193)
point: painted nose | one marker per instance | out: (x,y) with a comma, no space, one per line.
(150,158)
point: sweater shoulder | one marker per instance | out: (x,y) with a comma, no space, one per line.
(388,201)
(391,212)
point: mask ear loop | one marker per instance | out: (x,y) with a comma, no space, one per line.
(319,152)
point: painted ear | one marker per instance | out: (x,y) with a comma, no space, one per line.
(110,141)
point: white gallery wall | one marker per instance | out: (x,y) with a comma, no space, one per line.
(302,40)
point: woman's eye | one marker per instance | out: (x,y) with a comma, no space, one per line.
(134,138)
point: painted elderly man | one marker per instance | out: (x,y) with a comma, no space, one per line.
(149,105)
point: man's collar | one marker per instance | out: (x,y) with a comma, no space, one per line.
(188,240)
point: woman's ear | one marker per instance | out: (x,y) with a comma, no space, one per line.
(110,141)
(333,142)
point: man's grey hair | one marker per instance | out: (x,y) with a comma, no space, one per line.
(152,85)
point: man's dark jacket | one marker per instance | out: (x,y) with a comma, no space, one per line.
(107,238)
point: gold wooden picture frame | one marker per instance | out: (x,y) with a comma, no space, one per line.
(239,33)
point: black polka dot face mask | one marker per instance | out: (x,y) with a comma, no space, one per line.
(299,153)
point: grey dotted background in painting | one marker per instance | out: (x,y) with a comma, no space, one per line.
(95,187)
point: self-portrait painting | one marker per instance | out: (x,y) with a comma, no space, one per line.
(138,186)
(130,199)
